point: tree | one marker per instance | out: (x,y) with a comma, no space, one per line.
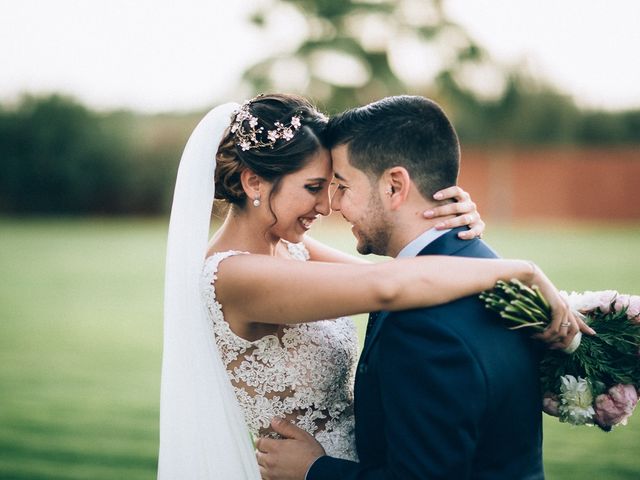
(57,158)
(356,51)
(352,52)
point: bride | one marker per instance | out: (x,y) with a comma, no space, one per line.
(246,336)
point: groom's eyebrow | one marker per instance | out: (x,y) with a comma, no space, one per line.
(339,177)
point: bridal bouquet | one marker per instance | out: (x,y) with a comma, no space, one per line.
(596,381)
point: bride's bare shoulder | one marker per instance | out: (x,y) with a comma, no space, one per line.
(216,246)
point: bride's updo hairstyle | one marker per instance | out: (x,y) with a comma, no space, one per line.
(272,135)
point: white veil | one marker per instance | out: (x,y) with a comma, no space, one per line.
(202,429)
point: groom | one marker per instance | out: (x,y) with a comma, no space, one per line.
(445,392)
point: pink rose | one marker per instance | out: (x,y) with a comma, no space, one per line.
(551,404)
(604,300)
(633,312)
(589,301)
(622,301)
(616,406)
(632,304)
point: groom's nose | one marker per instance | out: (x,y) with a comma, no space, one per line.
(335,201)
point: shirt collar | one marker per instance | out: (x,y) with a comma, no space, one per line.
(416,245)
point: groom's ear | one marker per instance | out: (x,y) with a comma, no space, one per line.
(397,183)
(251,183)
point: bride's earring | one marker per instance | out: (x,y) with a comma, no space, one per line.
(256,202)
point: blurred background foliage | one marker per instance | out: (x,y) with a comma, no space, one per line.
(357,51)
(58,156)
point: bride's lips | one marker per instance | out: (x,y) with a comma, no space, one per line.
(306,222)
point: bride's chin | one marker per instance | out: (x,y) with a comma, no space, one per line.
(297,238)
(294,234)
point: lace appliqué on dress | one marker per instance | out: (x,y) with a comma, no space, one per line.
(304,374)
(298,251)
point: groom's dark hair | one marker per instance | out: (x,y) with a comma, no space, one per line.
(408,131)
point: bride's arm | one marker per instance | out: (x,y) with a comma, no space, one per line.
(278,291)
(319,252)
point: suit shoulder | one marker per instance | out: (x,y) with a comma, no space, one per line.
(467,318)
(475,248)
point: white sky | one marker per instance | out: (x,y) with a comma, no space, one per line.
(156,55)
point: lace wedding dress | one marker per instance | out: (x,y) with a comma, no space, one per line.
(305,374)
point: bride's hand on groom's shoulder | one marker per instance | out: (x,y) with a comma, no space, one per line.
(565,324)
(465,211)
(288,458)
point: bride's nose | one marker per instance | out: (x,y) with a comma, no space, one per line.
(323,205)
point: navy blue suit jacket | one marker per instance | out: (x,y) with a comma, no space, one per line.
(445,392)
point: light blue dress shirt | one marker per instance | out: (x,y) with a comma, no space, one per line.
(416,245)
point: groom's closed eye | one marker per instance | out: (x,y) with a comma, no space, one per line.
(335,187)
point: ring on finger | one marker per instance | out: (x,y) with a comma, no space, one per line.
(565,324)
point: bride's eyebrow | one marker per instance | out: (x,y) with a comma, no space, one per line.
(317,179)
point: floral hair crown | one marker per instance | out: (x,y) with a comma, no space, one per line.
(246,129)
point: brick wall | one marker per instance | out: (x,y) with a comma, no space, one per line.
(554,183)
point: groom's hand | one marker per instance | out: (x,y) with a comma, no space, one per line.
(289,458)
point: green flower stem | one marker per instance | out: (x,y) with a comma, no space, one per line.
(531,325)
(525,299)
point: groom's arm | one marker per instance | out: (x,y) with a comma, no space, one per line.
(433,397)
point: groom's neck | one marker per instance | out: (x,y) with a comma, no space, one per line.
(409,224)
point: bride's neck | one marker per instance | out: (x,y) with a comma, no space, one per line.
(244,230)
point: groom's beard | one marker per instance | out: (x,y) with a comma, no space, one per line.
(374,229)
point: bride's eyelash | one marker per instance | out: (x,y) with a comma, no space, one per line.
(313,188)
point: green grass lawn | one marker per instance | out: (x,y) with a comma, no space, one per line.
(81,332)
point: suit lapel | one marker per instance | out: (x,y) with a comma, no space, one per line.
(447,244)
(373,334)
